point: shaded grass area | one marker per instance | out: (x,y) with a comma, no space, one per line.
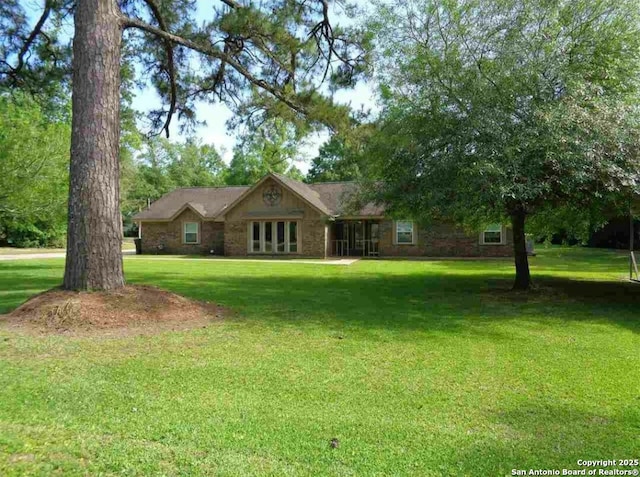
(417,368)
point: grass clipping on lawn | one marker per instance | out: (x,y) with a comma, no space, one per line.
(129,310)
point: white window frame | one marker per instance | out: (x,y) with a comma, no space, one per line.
(263,237)
(488,229)
(260,236)
(184,233)
(274,237)
(413,232)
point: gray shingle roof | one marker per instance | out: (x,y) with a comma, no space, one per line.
(306,192)
(331,198)
(207,201)
(339,198)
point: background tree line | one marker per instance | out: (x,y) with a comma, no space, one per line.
(522,113)
(34,158)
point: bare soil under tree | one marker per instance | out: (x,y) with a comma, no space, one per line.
(129,310)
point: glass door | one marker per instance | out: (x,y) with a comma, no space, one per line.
(273,237)
(372,241)
(280,240)
(356,237)
(268,237)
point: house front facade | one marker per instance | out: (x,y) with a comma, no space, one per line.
(279,216)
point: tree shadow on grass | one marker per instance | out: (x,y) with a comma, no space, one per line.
(594,292)
(420,301)
(429,300)
(21,280)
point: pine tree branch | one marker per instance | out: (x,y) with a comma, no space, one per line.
(26,46)
(258,41)
(323,30)
(213,52)
(231,3)
(153,6)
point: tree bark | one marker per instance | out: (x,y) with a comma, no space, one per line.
(523,276)
(94,234)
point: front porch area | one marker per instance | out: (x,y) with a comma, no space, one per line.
(355,238)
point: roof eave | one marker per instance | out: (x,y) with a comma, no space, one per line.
(184,207)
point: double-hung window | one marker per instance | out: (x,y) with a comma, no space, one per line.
(404,232)
(191,232)
(492,235)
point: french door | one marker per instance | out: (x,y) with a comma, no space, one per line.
(277,236)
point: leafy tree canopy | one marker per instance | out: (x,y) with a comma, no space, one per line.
(497,110)
(342,157)
(273,147)
(34,156)
(164,165)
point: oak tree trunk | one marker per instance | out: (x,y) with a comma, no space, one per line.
(523,276)
(94,235)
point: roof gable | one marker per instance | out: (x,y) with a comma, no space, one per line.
(299,189)
(196,208)
(208,202)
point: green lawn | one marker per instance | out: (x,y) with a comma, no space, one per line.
(418,368)
(127,244)
(27,251)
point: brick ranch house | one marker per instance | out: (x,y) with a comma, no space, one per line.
(282,216)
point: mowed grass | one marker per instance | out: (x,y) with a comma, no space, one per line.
(127,244)
(27,251)
(417,368)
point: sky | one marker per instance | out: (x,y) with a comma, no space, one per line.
(215,116)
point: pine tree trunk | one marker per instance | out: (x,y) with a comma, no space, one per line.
(523,276)
(94,235)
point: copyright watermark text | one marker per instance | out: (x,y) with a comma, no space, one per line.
(613,467)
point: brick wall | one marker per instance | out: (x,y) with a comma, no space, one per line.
(314,238)
(311,233)
(235,238)
(169,236)
(230,238)
(441,240)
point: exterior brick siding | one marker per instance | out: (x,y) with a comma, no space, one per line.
(441,240)
(235,238)
(166,237)
(230,238)
(312,236)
